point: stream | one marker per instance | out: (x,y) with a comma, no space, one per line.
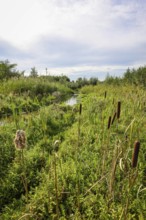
(72,100)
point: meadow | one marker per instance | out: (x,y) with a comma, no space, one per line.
(85,161)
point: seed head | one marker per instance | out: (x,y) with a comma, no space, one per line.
(135,154)
(118,109)
(80,110)
(20,140)
(109,122)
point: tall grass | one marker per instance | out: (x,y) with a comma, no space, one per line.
(94,172)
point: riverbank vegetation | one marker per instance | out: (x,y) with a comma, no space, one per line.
(85,161)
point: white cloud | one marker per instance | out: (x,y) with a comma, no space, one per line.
(92,31)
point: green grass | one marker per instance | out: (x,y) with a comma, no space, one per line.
(88,174)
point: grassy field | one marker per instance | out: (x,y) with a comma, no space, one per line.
(85,161)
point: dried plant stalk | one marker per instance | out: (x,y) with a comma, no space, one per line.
(20,144)
(113,119)
(135,154)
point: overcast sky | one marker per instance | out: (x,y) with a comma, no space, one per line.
(74,37)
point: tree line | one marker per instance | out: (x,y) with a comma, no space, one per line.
(134,76)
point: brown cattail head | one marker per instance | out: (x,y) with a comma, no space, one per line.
(113,119)
(20,140)
(80,110)
(118,109)
(105,94)
(109,122)
(135,154)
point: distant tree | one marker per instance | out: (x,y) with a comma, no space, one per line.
(136,76)
(33,72)
(93,81)
(114,80)
(82,82)
(109,79)
(65,78)
(8,70)
(128,75)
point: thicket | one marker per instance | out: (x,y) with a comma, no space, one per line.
(8,70)
(25,95)
(131,76)
(136,76)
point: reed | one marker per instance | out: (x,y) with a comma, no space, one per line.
(20,144)
(116,155)
(132,176)
(78,151)
(114,117)
(56,185)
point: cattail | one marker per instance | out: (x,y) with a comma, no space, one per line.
(109,122)
(105,94)
(20,140)
(118,109)
(135,154)
(113,119)
(80,110)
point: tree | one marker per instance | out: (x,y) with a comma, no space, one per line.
(33,72)
(8,70)
(93,81)
(136,76)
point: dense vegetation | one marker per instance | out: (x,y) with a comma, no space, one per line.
(73,162)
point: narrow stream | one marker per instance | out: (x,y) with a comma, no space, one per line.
(72,101)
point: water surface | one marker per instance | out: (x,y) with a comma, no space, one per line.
(72,101)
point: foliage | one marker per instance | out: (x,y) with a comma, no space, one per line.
(33,72)
(133,76)
(26,95)
(7,70)
(136,76)
(75,165)
(113,80)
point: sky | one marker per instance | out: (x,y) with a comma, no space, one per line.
(77,38)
